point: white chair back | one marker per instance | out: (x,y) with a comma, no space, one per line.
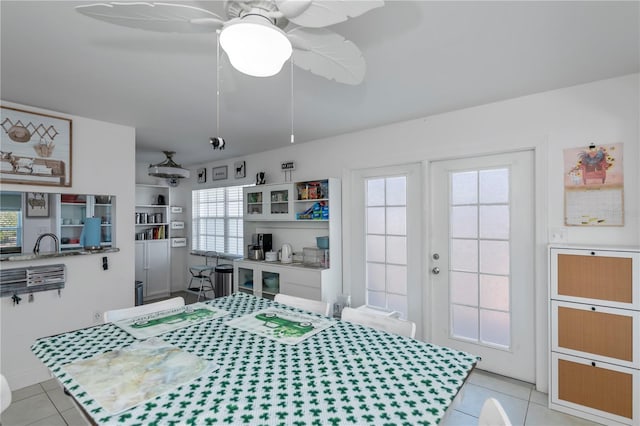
(492,414)
(5,393)
(316,306)
(120,314)
(380,322)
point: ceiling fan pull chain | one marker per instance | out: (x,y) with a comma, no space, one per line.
(217,83)
(292,135)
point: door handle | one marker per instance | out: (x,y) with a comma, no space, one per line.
(435,271)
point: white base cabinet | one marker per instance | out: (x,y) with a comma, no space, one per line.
(153,268)
(266,279)
(595,333)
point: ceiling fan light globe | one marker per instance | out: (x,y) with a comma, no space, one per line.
(255,47)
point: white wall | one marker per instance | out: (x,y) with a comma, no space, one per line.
(97,148)
(602,112)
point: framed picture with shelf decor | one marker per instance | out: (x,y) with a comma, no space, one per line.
(36,148)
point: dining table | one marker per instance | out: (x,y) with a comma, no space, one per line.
(343,374)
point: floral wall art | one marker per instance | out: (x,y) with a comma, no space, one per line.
(35,148)
(594,185)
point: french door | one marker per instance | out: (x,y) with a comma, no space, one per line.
(482,260)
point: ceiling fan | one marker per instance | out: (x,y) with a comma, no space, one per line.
(254,36)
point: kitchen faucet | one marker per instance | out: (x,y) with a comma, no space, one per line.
(36,248)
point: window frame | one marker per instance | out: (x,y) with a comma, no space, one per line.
(229,195)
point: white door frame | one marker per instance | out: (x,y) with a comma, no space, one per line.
(541,311)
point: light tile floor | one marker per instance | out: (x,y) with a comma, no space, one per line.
(45,404)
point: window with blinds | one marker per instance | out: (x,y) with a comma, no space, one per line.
(217,220)
(10,222)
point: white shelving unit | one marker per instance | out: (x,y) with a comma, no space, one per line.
(294,213)
(152,256)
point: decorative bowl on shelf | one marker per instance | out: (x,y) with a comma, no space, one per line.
(270,282)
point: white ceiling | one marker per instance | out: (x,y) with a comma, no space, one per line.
(423,58)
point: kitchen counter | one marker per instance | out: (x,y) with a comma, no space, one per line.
(286,265)
(49,255)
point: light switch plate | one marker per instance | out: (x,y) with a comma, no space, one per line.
(558,235)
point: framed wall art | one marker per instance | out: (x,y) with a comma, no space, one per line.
(239,167)
(219,173)
(202,175)
(594,185)
(37,204)
(36,148)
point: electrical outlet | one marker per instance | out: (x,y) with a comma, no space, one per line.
(97,316)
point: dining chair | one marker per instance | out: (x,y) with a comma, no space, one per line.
(120,314)
(5,393)
(492,414)
(316,306)
(380,322)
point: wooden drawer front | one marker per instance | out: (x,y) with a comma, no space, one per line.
(597,387)
(605,332)
(596,277)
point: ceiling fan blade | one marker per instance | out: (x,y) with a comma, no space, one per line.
(159,17)
(321,13)
(327,54)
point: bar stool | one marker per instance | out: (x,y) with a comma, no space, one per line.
(202,273)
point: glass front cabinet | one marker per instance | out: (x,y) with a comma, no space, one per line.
(257,279)
(269,202)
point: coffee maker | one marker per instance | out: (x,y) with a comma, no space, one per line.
(263,241)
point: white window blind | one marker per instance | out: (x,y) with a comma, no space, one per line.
(10,222)
(217,220)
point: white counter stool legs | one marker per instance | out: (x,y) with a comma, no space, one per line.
(202,273)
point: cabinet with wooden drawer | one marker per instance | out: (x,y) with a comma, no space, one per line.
(595,333)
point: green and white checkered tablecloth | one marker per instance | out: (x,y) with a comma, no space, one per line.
(346,374)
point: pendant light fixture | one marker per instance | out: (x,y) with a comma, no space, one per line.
(255,46)
(217,142)
(168,168)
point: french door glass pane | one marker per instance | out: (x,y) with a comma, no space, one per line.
(464,222)
(494,292)
(397,250)
(494,186)
(464,188)
(397,220)
(375,248)
(375,192)
(464,322)
(494,257)
(396,191)
(464,288)
(375,276)
(494,222)
(464,255)
(397,279)
(495,327)
(375,220)
(377,298)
